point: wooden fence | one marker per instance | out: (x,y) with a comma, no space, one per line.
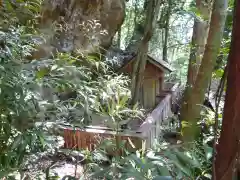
(151,127)
(92,138)
(147,132)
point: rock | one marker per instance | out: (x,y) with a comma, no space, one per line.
(79,26)
(77,155)
(68,169)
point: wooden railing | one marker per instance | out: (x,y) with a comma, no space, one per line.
(151,127)
(147,132)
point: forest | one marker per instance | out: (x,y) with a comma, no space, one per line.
(119,89)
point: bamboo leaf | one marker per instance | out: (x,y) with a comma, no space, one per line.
(208,151)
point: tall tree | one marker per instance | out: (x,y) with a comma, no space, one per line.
(166,30)
(153,7)
(192,106)
(199,38)
(228,147)
(140,14)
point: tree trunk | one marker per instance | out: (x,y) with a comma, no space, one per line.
(166,30)
(139,65)
(139,29)
(228,147)
(191,108)
(199,38)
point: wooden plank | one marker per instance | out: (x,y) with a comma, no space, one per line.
(78,139)
(74,140)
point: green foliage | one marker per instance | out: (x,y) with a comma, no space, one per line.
(17,105)
(180,64)
(218,73)
(18,108)
(165,162)
(20,12)
(23,104)
(97,91)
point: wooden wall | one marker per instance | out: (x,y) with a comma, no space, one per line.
(152,84)
(149,93)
